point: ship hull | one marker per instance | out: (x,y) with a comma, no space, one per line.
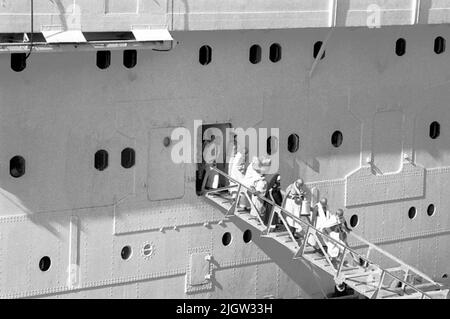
(58,112)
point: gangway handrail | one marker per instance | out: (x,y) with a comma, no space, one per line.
(387,254)
(344,248)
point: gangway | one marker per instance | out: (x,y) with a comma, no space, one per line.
(388,278)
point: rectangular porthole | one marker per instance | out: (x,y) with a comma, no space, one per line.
(129,58)
(103,59)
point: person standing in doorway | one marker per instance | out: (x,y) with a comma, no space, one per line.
(211,155)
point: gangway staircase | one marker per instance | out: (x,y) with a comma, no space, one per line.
(388,278)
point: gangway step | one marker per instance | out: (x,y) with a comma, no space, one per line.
(219,201)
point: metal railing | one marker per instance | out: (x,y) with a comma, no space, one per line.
(320,236)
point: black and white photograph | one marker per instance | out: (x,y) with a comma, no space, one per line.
(225,157)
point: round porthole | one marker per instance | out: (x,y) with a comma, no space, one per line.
(431,210)
(444,276)
(412,212)
(337,139)
(126,253)
(226,239)
(354,221)
(45,263)
(247,236)
(167,141)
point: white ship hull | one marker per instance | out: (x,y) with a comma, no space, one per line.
(62,109)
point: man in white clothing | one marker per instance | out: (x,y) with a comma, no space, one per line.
(238,167)
(255,179)
(295,194)
(320,219)
(211,155)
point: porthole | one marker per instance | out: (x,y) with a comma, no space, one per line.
(101,160)
(431,210)
(272,145)
(412,212)
(128,158)
(275,52)
(129,58)
(18,61)
(255,54)
(45,263)
(293,143)
(435,130)
(439,45)
(354,221)
(205,55)
(444,276)
(316,50)
(167,141)
(126,253)
(247,236)
(337,139)
(400,47)
(17,166)
(103,59)
(226,239)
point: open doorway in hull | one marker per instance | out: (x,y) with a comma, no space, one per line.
(219,131)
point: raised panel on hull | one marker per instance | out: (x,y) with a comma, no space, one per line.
(24,242)
(365,188)
(165,177)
